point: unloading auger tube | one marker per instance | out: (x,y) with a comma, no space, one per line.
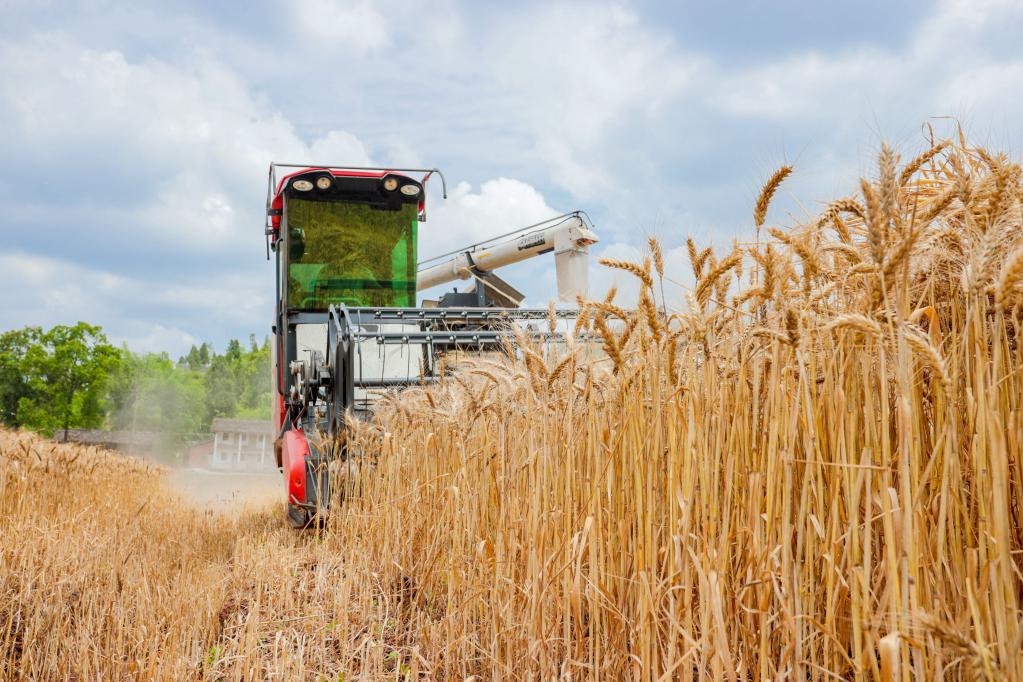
(322,398)
(566,236)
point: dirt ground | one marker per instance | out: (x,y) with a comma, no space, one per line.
(224,490)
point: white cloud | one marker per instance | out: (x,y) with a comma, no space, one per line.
(55,291)
(988,88)
(338,147)
(953,60)
(583,72)
(802,86)
(49,291)
(198,125)
(355,24)
(214,138)
(500,206)
(157,233)
(144,338)
(189,145)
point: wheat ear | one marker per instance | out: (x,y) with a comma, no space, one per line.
(857,322)
(706,284)
(917,163)
(561,367)
(1010,276)
(655,251)
(889,187)
(629,267)
(875,221)
(922,345)
(767,193)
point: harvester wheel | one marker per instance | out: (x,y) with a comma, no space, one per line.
(298,517)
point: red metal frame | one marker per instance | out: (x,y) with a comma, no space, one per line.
(278,200)
(294,450)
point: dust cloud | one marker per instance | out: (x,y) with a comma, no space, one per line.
(227,491)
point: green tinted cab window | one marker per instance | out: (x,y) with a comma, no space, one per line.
(350,253)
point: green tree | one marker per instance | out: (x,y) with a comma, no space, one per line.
(14,383)
(63,376)
(204,354)
(70,377)
(198,357)
(222,387)
(254,370)
(149,393)
(238,382)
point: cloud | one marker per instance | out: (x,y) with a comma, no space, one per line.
(500,206)
(55,291)
(163,241)
(801,86)
(348,24)
(137,139)
(586,72)
(144,173)
(143,337)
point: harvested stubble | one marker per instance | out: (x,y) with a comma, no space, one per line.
(815,471)
(107,575)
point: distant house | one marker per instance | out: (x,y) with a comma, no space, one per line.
(200,454)
(237,445)
(128,442)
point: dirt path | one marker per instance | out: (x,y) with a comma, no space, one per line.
(224,490)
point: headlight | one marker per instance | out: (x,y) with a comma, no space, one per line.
(323,182)
(302,185)
(391,184)
(410,190)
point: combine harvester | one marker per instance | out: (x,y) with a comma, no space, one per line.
(346,319)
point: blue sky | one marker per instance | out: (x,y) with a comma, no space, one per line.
(136,136)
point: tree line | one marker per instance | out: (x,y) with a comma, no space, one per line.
(71,377)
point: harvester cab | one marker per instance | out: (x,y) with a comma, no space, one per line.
(346,322)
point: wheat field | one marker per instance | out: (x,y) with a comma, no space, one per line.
(810,468)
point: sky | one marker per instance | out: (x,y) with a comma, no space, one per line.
(135,137)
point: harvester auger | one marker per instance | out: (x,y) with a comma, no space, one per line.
(347,324)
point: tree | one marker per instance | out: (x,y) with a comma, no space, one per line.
(70,377)
(222,392)
(238,382)
(254,399)
(149,393)
(63,376)
(197,358)
(14,385)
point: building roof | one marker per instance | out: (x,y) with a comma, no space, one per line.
(224,425)
(99,437)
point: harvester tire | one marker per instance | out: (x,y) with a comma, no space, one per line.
(298,517)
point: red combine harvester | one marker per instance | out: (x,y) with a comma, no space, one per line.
(346,322)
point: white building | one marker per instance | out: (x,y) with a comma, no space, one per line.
(242,445)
